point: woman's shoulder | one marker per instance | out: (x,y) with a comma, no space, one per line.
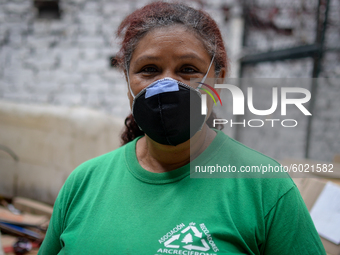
(250,170)
(245,153)
(100,166)
(99,160)
(245,160)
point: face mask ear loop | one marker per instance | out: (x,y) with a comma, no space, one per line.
(206,74)
(128,80)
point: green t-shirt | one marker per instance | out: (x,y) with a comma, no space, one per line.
(111,205)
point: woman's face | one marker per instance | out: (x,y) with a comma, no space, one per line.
(168,52)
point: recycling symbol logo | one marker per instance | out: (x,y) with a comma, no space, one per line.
(186,237)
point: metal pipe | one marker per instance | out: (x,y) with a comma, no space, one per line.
(10,152)
(320,40)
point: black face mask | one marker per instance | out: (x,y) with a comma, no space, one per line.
(168,111)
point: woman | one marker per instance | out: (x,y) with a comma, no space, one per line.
(140,199)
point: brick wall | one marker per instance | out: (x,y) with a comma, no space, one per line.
(66,61)
(271,32)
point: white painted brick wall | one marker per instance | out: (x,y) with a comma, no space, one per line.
(66,61)
(325,140)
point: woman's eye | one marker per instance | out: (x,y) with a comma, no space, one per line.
(149,69)
(188,70)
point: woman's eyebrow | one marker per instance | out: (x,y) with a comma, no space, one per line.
(146,58)
(191,56)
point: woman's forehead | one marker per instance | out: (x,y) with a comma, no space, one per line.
(177,40)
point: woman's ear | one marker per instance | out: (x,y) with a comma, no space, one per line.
(222,74)
(126,74)
(130,97)
(220,79)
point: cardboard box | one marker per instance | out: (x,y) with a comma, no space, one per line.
(310,189)
(32,206)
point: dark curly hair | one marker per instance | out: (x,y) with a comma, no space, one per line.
(160,14)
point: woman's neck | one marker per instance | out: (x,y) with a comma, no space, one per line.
(159,158)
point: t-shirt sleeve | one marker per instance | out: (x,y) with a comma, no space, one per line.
(290,229)
(51,244)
